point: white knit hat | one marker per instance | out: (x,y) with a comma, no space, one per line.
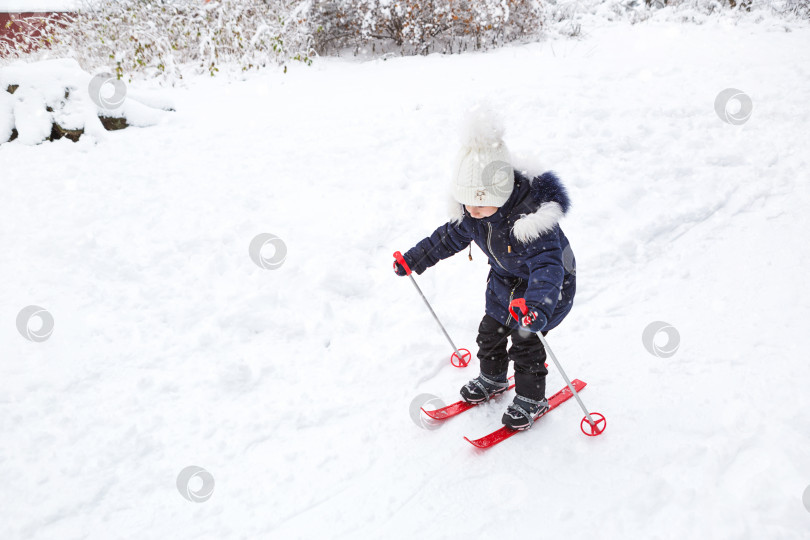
(482,173)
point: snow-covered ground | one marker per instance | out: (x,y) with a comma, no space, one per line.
(292,386)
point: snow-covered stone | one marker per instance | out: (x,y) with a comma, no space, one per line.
(60,92)
(6,114)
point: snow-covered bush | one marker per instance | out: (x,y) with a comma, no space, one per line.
(798,8)
(423,26)
(684,11)
(171,37)
(162,37)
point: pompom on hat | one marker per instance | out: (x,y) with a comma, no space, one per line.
(482,172)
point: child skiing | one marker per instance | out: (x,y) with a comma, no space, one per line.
(514,220)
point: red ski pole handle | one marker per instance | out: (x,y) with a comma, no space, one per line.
(401,260)
(521,304)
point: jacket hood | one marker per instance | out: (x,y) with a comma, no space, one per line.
(540,202)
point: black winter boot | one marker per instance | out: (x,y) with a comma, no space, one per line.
(522,412)
(483,387)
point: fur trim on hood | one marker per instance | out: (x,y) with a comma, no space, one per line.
(547,191)
(547,195)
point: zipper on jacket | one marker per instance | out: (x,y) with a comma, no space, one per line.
(489,245)
(511,294)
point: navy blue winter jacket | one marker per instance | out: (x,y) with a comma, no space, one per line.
(529,256)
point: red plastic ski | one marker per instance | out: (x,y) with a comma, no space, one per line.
(456,408)
(504,433)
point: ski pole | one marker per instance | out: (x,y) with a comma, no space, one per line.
(463,359)
(592,424)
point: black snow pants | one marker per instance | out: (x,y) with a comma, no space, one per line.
(527,352)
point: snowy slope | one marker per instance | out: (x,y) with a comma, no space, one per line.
(292,386)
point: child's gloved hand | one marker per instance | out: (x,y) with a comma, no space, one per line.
(399,268)
(533,320)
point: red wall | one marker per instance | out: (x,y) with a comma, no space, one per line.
(18,26)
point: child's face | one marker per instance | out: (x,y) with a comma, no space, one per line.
(479,212)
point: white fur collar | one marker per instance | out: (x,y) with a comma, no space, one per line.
(528,227)
(531,226)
